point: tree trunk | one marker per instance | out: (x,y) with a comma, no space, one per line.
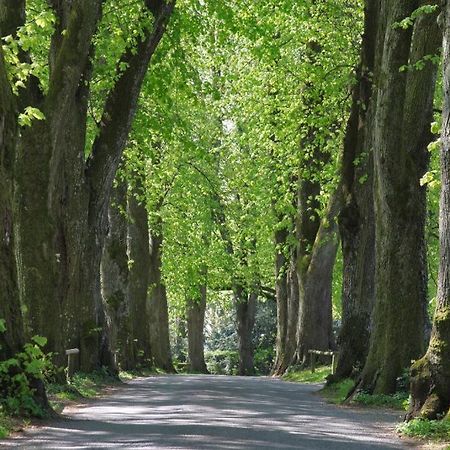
(356,219)
(245,315)
(315,325)
(12,331)
(114,280)
(287,296)
(430,376)
(159,314)
(11,339)
(138,282)
(401,135)
(196,309)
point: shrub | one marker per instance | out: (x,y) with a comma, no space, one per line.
(17,375)
(222,362)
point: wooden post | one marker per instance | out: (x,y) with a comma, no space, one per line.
(313,362)
(71,362)
(334,362)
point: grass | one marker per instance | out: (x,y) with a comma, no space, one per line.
(9,424)
(399,400)
(306,376)
(337,392)
(435,430)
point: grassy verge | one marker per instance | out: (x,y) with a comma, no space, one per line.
(83,386)
(10,425)
(306,376)
(337,392)
(432,430)
(399,400)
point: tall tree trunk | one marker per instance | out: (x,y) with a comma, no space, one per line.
(114,280)
(430,376)
(196,309)
(139,274)
(315,325)
(245,316)
(356,219)
(12,331)
(401,134)
(159,314)
(287,296)
(281,294)
(11,339)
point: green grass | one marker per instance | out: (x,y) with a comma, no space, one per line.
(131,374)
(399,401)
(306,376)
(9,424)
(435,430)
(337,392)
(82,386)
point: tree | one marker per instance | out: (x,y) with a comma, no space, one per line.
(356,221)
(115,279)
(430,375)
(11,337)
(63,195)
(401,133)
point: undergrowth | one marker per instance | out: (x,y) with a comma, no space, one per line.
(306,376)
(399,400)
(436,430)
(337,392)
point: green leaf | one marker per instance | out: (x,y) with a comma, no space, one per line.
(39,340)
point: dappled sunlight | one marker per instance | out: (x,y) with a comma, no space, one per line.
(210,412)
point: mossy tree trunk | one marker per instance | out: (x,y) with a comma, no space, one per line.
(12,339)
(139,274)
(430,376)
(318,248)
(157,304)
(62,199)
(356,219)
(12,15)
(401,135)
(114,279)
(287,297)
(195,315)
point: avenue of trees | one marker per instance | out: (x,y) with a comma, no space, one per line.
(266,171)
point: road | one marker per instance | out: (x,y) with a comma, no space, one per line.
(214,412)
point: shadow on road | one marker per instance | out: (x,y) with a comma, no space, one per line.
(210,412)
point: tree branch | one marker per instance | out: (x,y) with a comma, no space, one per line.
(71,57)
(120,108)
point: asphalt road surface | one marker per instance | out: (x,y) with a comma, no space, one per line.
(214,412)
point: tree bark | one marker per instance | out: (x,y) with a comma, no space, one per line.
(315,272)
(12,333)
(114,280)
(12,339)
(157,303)
(287,297)
(356,219)
(430,376)
(245,317)
(139,274)
(196,309)
(401,135)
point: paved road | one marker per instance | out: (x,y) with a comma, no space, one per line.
(214,412)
